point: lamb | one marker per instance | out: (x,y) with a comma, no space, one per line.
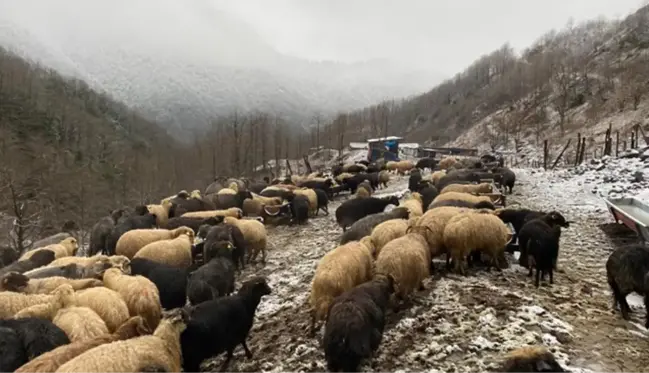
(175,252)
(52,360)
(132,241)
(161,213)
(300,210)
(363,227)
(214,279)
(364,189)
(11,303)
(436,176)
(255,235)
(476,231)
(342,176)
(626,272)
(323,201)
(415,205)
(67,247)
(102,229)
(193,223)
(373,179)
(170,281)
(530,359)
(39,259)
(388,231)
(354,326)
(414,180)
(107,303)
(505,177)
(140,294)
(68,228)
(230,317)
(145,221)
(229,233)
(312,196)
(468,188)
(234,212)
(14,281)
(34,336)
(257,187)
(161,350)
(447,162)
(338,271)
(354,209)
(80,323)
(407,260)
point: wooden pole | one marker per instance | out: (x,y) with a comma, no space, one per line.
(637,142)
(578,148)
(583,150)
(560,154)
(617,143)
(545,154)
(624,145)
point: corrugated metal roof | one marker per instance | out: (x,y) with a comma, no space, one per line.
(385,138)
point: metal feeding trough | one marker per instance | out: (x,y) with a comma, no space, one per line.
(632,212)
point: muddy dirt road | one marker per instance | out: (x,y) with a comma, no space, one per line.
(460,323)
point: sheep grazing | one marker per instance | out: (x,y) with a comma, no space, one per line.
(364,226)
(432,225)
(14,281)
(505,177)
(428,194)
(323,201)
(67,247)
(458,177)
(407,259)
(80,323)
(255,235)
(468,188)
(229,233)
(102,229)
(146,221)
(338,271)
(214,279)
(364,189)
(160,350)
(530,359)
(52,360)
(34,337)
(11,303)
(436,176)
(300,210)
(352,210)
(388,231)
(174,252)
(193,223)
(170,281)
(107,303)
(626,272)
(140,294)
(161,213)
(384,178)
(447,162)
(354,326)
(460,196)
(39,259)
(180,206)
(230,317)
(414,180)
(134,240)
(233,211)
(470,231)
(463,204)
(415,205)
(517,217)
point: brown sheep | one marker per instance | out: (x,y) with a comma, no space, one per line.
(312,196)
(161,213)
(468,188)
(132,241)
(388,231)
(80,323)
(14,281)
(404,167)
(436,176)
(530,359)
(414,204)
(140,294)
(176,252)
(447,162)
(255,235)
(67,247)
(107,303)
(117,261)
(12,303)
(431,225)
(459,196)
(407,260)
(392,166)
(233,211)
(160,350)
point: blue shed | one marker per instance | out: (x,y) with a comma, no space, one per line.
(383,147)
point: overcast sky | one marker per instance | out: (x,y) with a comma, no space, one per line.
(447,34)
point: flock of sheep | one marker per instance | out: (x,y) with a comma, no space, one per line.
(123,306)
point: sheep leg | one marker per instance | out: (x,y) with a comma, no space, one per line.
(621,299)
(531,271)
(646,306)
(263,255)
(245,348)
(326,210)
(536,280)
(313,325)
(551,273)
(226,363)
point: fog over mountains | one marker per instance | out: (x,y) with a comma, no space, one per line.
(184,62)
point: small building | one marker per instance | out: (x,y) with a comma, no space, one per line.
(426,153)
(454,151)
(383,147)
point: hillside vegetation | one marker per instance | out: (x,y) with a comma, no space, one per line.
(574,80)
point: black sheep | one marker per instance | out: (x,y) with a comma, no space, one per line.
(517,218)
(102,229)
(363,227)
(487,158)
(37,336)
(373,168)
(351,183)
(462,203)
(323,201)
(315,184)
(171,281)
(38,259)
(428,194)
(278,192)
(8,255)
(220,325)
(504,177)
(355,168)
(180,205)
(414,180)
(354,209)
(364,162)
(336,190)
(213,279)
(355,323)
(424,163)
(373,178)
(539,241)
(300,209)
(193,223)
(626,272)
(146,221)
(257,187)
(457,177)
(12,352)
(226,201)
(230,233)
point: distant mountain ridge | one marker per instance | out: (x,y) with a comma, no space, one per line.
(184,82)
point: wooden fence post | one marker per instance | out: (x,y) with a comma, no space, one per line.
(560,154)
(545,154)
(617,143)
(578,148)
(583,150)
(637,142)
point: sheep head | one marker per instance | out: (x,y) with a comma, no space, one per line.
(121,263)
(183,230)
(257,287)
(14,281)
(196,194)
(133,327)
(71,245)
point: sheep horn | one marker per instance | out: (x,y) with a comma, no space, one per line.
(269,212)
